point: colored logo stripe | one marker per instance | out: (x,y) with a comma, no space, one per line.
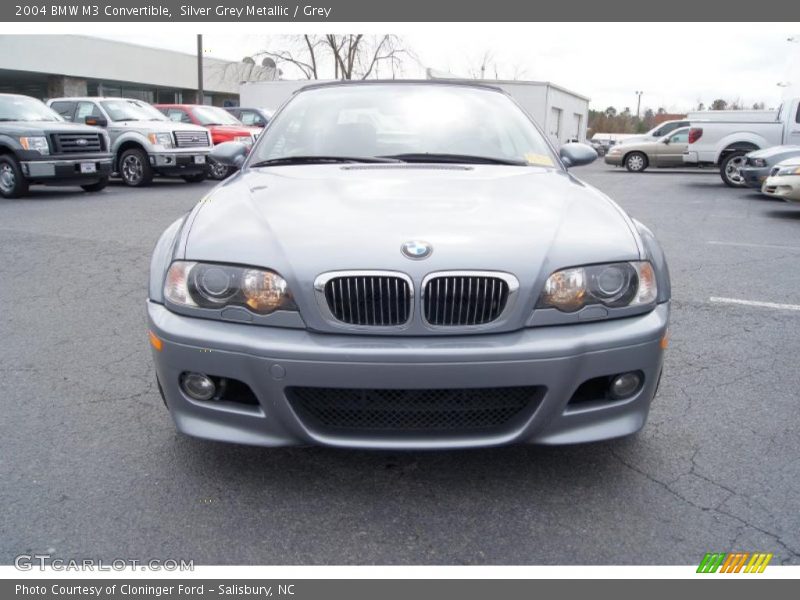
(734,562)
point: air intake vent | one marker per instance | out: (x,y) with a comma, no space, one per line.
(69,143)
(413,411)
(368,298)
(464,299)
(191,139)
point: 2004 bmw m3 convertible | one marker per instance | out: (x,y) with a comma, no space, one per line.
(407,265)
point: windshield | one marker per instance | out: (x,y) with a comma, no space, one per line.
(210,115)
(23,108)
(403,120)
(131,110)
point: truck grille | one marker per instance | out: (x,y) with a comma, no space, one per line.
(64,143)
(464,299)
(413,411)
(381,300)
(191,139)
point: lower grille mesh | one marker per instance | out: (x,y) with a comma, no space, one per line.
(413,410)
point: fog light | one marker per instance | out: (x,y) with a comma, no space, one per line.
(625,385)
(198,386)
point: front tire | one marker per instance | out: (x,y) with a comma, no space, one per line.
(12,182)
(135,169)
(96,186)
(636,162)
(729,169)
(194,178)
(217,170)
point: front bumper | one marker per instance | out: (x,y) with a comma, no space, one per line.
(180,163)
(270,359)
(58,170)
(785,188)
(754,177)
(613,159)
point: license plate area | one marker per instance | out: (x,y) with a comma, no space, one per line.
(87,168)
(200,159)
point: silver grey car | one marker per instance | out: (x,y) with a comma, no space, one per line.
(407,265)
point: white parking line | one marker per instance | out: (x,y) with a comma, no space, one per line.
(774,305)
(746,245)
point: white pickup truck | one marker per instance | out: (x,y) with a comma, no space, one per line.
(725,142)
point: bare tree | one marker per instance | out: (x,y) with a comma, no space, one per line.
(487,67)
(348,56)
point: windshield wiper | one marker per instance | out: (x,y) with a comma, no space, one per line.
(311,159)
(435,157)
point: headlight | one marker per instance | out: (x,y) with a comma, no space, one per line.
(613,285)
(36,143)
(244,139)
(161,139)
(787,171)
(207,285)
(758,162)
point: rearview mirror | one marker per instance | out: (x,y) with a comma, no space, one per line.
(96,121)
(577,154)
(230,154)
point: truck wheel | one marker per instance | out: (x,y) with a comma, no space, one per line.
(217,170)
(636,162)
(194,177)
(12,182)
(135,169)
(96,186)
(729,169)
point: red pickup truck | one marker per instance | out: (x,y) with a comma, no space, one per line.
(224,127)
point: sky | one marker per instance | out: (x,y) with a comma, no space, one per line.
(676,65)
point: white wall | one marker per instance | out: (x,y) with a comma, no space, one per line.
(269,94)
(94,58)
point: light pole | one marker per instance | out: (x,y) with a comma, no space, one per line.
(200,93)
(638,102)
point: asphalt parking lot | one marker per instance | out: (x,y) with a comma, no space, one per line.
(91,466)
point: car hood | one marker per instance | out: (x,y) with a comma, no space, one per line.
(22,127)
(775,152)
(158,126)
(790,162)
(306,220)
(235,130)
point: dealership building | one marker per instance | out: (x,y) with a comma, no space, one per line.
(49,66)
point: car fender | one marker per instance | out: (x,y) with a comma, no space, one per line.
(163,254)
(134,136)
(744,140)
(655,254)
(9,143)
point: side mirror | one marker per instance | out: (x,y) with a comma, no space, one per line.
(575,155)
(230,154)
(96,121)
(665,141)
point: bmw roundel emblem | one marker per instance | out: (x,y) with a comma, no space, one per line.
(416,249)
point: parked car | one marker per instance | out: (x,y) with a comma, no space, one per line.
(638,156)
(144,142)
(38,147)
(657,133)
(224,127)
(758,164)
(725,143)
(784,180)
(257,117)
(427,277)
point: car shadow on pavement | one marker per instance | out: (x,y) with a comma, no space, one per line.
(790,214)
(449,472)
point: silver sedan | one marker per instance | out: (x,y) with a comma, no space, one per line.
(407,265)
(637,156)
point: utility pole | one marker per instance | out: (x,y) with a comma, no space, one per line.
(638,102)
(200,94)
